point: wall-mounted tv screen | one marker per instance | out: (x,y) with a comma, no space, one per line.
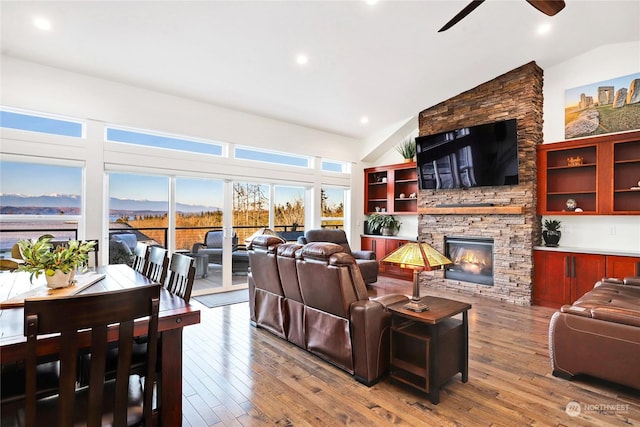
(475,156)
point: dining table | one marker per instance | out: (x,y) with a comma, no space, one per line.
(175,313)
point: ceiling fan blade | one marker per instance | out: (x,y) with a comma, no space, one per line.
(548,7)
(464,12)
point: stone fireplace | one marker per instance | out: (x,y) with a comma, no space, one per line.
(504,215)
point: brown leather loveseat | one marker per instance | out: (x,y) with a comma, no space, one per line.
(599,334)
(314,296)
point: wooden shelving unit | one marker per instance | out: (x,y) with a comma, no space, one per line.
(603,182)
(389,189)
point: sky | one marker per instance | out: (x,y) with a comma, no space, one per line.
(25,178)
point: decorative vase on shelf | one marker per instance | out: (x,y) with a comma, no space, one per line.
(551,238)
(60,279)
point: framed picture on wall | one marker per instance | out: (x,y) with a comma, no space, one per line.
(608,106)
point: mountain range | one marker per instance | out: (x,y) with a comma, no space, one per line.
(18,202)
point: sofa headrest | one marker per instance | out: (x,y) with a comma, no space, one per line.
(288,250)
(321,251)
(333,235)
(264,242)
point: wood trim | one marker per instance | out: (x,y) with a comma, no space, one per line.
(474,210)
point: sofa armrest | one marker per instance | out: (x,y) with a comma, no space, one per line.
(624,316)
(631,281)
(370,338)
(364,254)
(197,246)
(387,300)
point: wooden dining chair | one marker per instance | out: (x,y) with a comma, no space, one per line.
(140,257)
(125,400)
(182,273)
(157,264)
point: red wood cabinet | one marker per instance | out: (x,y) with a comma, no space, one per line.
(600,173)
(623,266)
(389,189)
(382,247)
(563,277)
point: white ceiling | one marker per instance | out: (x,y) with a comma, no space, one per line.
(385,61)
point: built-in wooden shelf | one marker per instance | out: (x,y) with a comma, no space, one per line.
(474,210)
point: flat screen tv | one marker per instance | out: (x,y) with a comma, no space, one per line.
(475,156)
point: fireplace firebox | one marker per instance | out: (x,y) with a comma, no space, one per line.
(472,259)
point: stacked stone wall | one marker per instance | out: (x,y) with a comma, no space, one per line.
(516,94)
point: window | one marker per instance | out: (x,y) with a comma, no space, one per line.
(37,199)
(247,153)
(250,208)
(139,204)
(35,122)
(335,166)
(199,207)
(162,141)
(288,209)
(332,202)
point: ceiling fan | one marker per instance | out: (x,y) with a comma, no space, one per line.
(548,7)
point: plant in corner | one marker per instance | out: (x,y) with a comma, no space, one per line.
(407,149)
(57,263)
(551,232)
(388,224)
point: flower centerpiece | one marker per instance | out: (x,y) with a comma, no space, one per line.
(58,263)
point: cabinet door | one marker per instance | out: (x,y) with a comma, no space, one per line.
(622,266)
(586,270)
(376,245)
(550,285)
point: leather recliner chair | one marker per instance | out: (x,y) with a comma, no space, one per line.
(366,260)
(318,300)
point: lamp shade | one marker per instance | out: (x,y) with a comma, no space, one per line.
(417,255)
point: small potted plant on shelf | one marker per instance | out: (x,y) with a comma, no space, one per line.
(58,263)
(407,149)
(388,224)
(551,232)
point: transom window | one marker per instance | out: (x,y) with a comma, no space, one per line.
(37,122)
(150,139)
(249,153)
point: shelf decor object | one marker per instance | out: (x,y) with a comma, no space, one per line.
(418,256)
(575,161)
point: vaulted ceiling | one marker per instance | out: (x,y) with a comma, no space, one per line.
(385,61)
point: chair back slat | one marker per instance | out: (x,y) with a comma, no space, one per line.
(140,257)
(157,264)
(182,273)
(95,312)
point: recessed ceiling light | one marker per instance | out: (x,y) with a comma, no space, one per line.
(364,120)
(302,59)
(544,28)
(42,23)
(371,2)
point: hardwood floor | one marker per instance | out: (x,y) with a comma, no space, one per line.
(238,375)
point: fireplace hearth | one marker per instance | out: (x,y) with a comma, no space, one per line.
(472,260)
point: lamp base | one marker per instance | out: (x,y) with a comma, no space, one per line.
(416,306)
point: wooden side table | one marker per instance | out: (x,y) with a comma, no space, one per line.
(430,347)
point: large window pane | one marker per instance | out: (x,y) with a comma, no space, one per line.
(332,207)
(37,199)
(288,211)
(199,204)
(250,208)
(138,205)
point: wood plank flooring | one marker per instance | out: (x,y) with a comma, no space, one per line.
(238,375)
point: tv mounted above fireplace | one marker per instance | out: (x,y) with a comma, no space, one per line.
(475,156)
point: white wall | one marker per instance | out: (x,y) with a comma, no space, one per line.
(41,88)
(619,233)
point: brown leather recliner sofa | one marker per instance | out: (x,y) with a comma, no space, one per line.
(314,296)
(366,260)
(599,334)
